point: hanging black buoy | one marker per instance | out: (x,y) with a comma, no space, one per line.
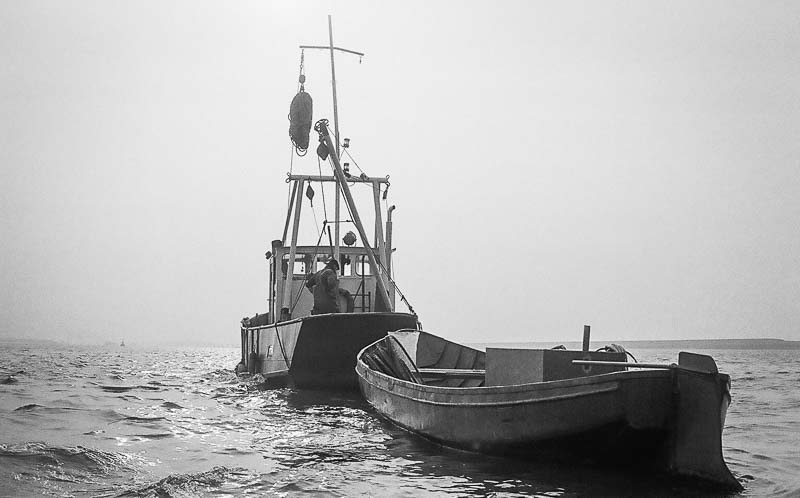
(300,118)
(310,195)
(322,151)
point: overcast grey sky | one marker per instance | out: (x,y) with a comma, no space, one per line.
(631,165)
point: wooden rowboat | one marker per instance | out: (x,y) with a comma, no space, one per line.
(554,404)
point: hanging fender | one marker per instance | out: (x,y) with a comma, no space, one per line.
(300,120)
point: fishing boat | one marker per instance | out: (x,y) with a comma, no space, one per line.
(296,342)
(554,404)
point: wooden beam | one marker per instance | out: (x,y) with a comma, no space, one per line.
(287,287)
(466,373)
(289,214)
(349,179)
(661,366)
(380,242)
(328,47)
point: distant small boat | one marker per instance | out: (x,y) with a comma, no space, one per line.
(554,404)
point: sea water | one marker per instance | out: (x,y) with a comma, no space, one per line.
(128,421)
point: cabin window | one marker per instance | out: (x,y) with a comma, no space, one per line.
(302,263)
(362,265)
(346,265)
(321,261)
(303,267)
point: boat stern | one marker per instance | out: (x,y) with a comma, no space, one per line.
(702,399)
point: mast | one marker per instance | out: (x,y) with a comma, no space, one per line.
(338,197)
(342,181)
(333,84)
(330,47)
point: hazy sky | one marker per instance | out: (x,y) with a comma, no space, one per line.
(630,165)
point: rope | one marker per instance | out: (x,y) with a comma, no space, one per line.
(283,351)
(616,348)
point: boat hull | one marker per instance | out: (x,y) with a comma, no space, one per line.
(666,419)
(316,351)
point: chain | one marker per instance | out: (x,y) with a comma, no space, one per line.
(302,77)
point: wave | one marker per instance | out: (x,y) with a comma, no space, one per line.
(130,397)
(116,389)
(112,388)
(105,414)
(31,406)
(134,418)
(220,374)
(158,383)
(32,456)
(36,407)
(9,379)
(190,484)
(161,435)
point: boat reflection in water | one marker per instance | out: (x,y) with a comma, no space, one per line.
(557,405)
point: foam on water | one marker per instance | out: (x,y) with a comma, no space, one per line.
(177,422)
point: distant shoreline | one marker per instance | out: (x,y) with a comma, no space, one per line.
(688,344)
(22,341)
(684,344)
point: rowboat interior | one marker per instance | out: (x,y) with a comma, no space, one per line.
(426,359)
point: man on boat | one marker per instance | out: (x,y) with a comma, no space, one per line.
(325,286)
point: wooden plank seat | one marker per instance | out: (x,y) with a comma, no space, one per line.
(460,373)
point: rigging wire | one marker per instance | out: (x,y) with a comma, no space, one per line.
(397,288)
(346,151)
(316,223)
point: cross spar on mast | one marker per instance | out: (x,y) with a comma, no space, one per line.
(341,180)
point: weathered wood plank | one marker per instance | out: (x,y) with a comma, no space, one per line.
(453,372)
